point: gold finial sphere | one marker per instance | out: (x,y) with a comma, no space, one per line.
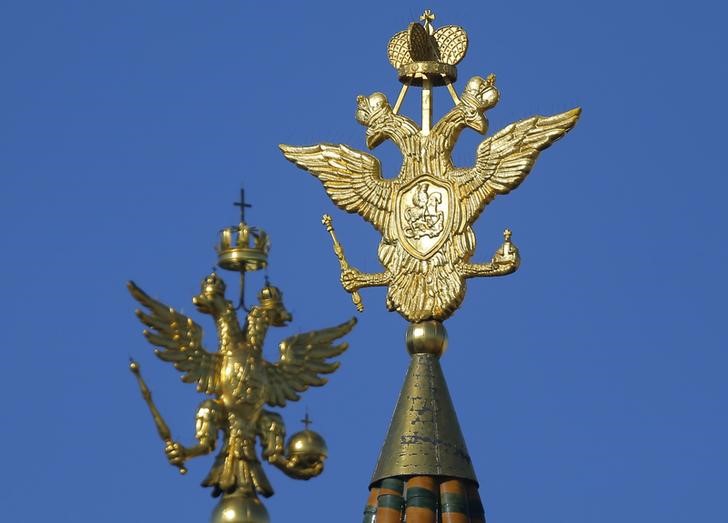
(427,337)
(240,508)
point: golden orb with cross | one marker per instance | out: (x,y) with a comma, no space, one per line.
(307,446)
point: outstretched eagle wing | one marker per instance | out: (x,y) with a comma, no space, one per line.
(504,160)
(353,179)
(303,361)
(179,340)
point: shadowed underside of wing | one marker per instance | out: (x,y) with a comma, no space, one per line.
(504,160)
(179,341)
(303,361)
(352,179)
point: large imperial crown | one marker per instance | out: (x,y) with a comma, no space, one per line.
(420,51)
(243,248)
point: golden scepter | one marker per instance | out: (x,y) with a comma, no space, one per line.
(162,427)
(339,251)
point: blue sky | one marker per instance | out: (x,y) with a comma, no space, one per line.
(590,385)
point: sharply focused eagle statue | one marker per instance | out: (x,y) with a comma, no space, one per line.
(241,382)
(425,214)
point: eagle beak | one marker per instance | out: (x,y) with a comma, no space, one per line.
(282,319)
(374,138)
(478,123)
(208,304)
(287,316)
(201,303)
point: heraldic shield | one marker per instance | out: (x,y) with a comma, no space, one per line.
(424,215)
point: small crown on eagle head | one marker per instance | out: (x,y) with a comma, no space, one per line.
(213,284)
(368,108)
(481,93)
(243,248)
(270,297)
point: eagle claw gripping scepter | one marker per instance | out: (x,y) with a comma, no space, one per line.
(162,427)
(339,251)
(239,382)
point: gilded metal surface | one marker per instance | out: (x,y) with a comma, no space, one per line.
(243,248)
(424,435)
(240,383)
(428,337)
(422,51)
(339,251)
(240,508)
(159,423)
(413,73)
(307,446)
(426,213)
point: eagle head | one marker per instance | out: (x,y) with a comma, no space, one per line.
(479,95)
(211,299)
(373,112)
(271,300)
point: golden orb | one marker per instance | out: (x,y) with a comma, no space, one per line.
(427,337)
(308,446)
(240,508)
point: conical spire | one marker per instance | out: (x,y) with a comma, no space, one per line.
(424,435)
(424,472)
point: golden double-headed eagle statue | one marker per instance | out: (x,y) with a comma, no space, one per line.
(426,213)
(241,382)
(238,382)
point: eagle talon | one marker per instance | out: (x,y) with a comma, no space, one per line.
(507,256)
(352,280)
(176,453)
